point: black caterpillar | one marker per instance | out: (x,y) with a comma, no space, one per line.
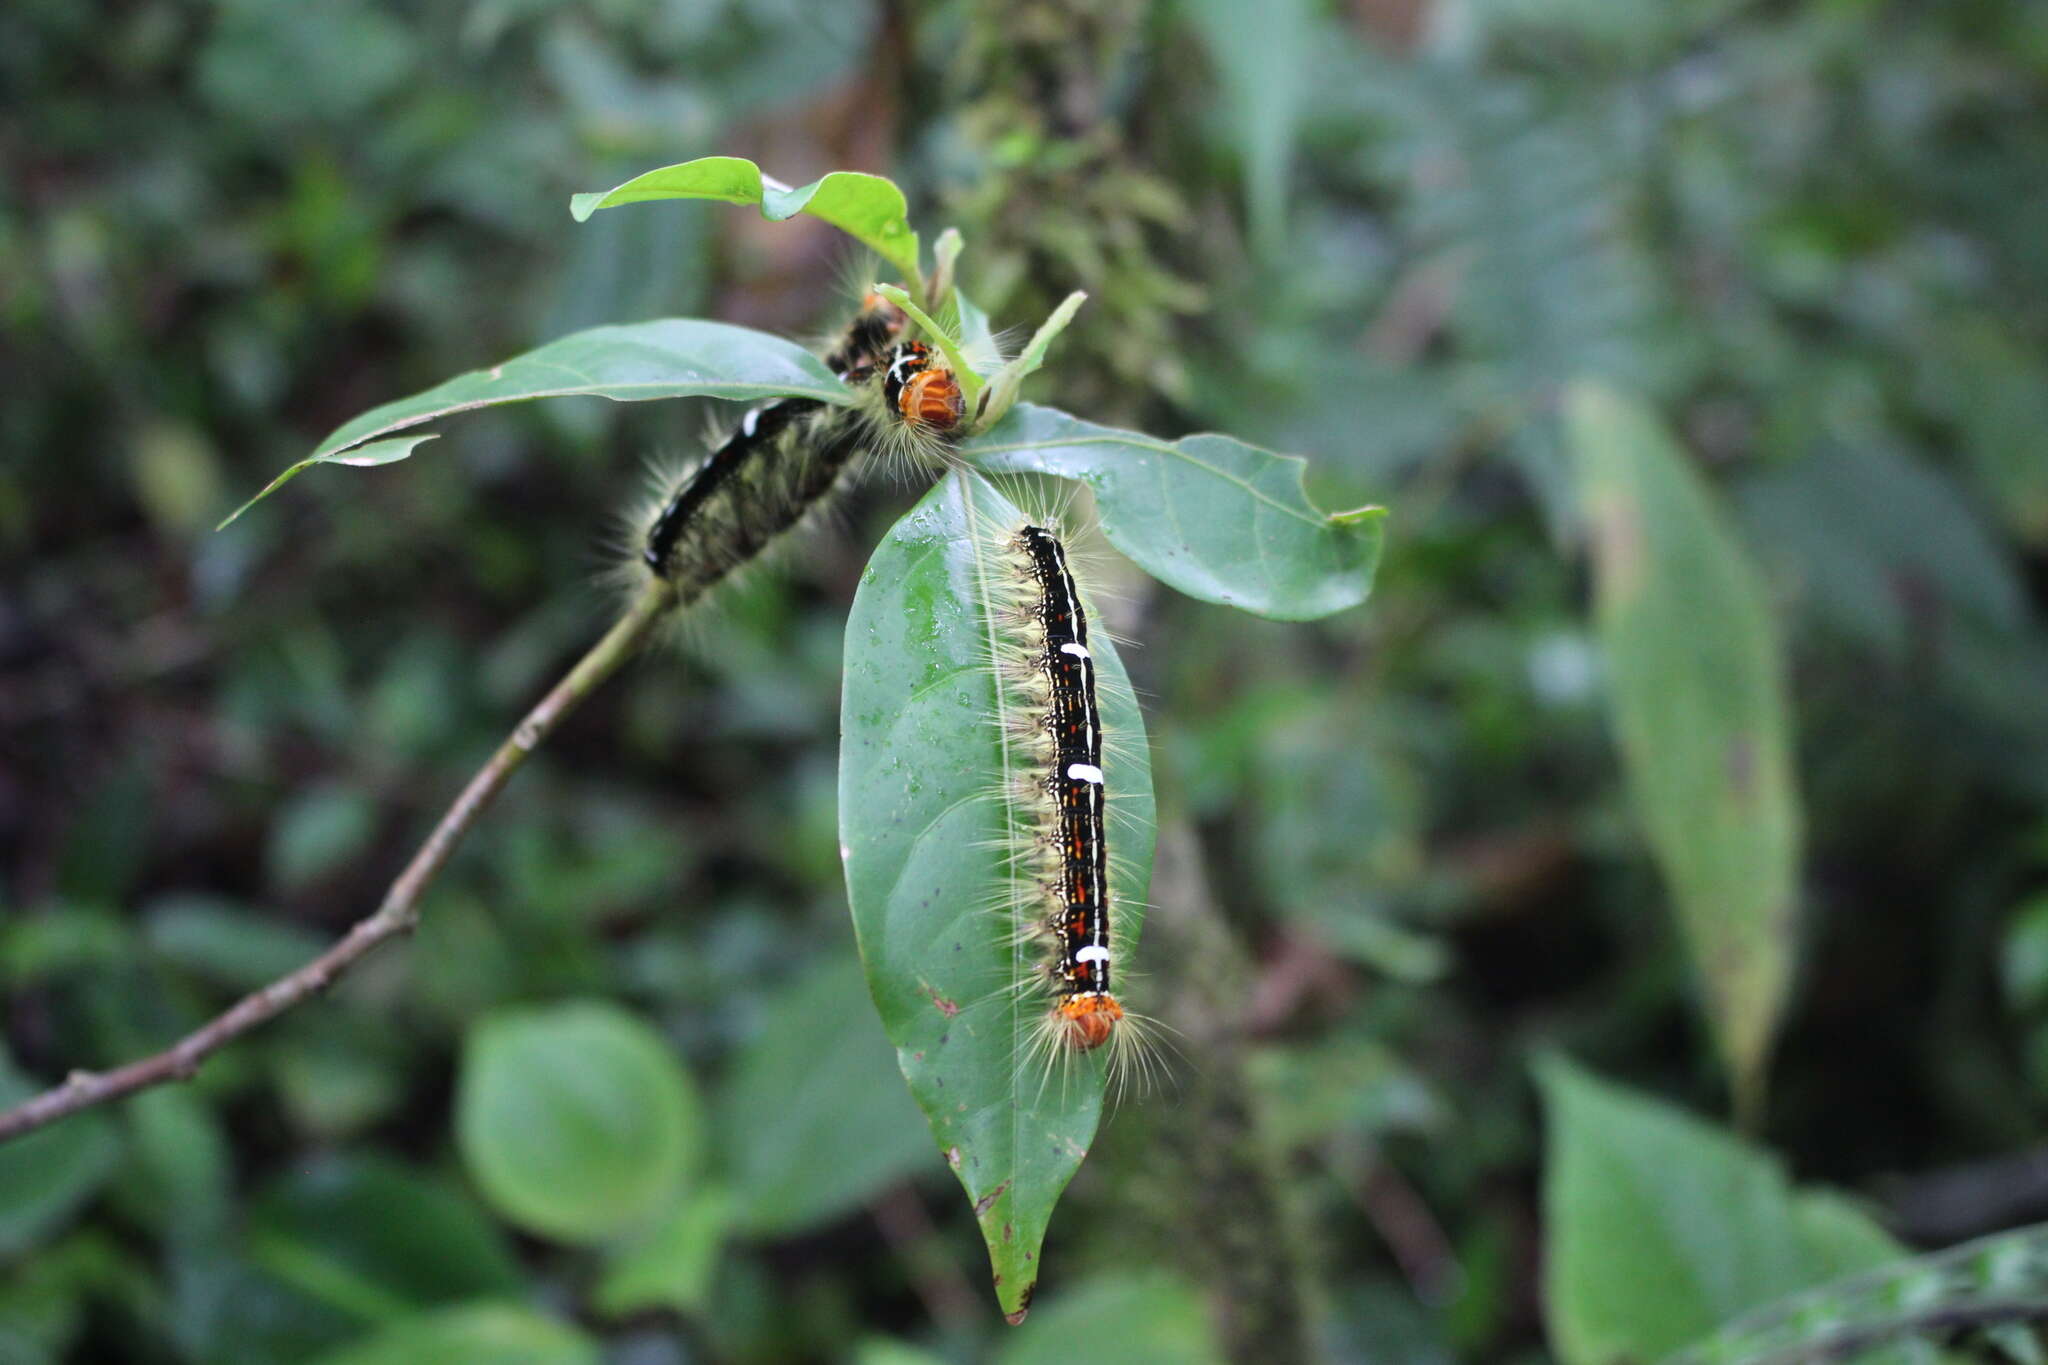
(785,456)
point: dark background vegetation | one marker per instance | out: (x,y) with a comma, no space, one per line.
(1383,233)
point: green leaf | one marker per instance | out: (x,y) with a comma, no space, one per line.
(1260,52)
(1154,1319)
(319,829)
(1661,1226)
(1696,687)
(868,208)
(181,1167)
(46,1175)
(103,847)
(855,1131)
(1991,384)
(1003,388)
(887,1351)
(334,1084)
(976,335)
(475,1334)
(1853,528)
(2023,963)
(49,1298)
(259,66)
(672,1266)
(377,1240)
(226,941)
(921,821)
(665,358)
(227,1310)
(1220,520)
(575,1120)
(1348,1086)
(1839,1236)
(1999,1281)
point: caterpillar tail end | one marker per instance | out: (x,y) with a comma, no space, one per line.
(1086,1021)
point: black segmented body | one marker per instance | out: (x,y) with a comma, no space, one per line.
(757,432)
(1075,782)
(867,341)
(782,458)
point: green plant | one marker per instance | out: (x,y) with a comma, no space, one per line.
(1221,520)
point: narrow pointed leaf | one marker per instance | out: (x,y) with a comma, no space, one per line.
(923,827)
(1220,520)
(868,208)
(1258,52)
(1696,686)
(1003,388)
(665,358)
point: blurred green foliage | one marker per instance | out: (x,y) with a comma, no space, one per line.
(1811,237)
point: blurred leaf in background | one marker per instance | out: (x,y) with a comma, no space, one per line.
(1697,689)
(1661,1227)
(575,1120)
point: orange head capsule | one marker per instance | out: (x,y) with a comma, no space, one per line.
(932,399)
(924,392)
(1087,1020)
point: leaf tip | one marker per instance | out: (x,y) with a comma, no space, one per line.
(269,488)
(581,206)
(1015,1316)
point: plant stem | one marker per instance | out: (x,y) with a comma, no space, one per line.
(399,911)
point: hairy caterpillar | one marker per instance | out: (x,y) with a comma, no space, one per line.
(786,455)
(1059,805)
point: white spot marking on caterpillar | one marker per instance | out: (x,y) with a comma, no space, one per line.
(1085,772)
(1078,651)
(1094,952)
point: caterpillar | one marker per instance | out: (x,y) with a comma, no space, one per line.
(1062,901)
(785,456)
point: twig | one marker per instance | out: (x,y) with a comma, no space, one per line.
(398,913)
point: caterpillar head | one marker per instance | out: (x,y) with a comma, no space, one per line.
(922,389)
(1086,1020)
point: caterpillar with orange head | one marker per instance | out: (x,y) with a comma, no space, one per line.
(997,824)
(1059,814)
(785,457)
